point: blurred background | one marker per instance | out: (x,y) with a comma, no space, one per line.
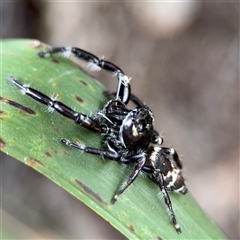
(183,58)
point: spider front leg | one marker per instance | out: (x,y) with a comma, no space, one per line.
(95,151)
(141,160)
(96,64)
(64,110)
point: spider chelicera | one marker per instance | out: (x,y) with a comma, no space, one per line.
(129,135)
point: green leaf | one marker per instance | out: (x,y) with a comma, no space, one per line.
(30,133)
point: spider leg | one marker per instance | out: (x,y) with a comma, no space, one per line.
(66,111)
(160,180)
(95,151)
(137,101)
(123,89)
(132,97)
(141,159)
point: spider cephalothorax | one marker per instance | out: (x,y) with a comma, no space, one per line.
(129,135)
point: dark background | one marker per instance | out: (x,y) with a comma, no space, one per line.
(184,62)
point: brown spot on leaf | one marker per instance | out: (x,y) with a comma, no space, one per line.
(158,238)
(2,144)
(54,150)
(90,192)
(55,60)
(33,161)
(48,154)
(79,99)
(83,82)
(56,129)
(132,228)
(17,105)
(66,153)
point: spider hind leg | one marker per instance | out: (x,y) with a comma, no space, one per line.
(160,180)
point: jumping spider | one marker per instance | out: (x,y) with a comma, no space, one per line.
(129,134)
